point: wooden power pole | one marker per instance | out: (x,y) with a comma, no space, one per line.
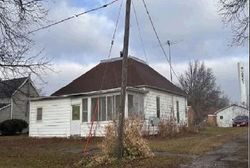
(124,82)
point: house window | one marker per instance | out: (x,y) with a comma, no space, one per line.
(177,111)
(94,109)
(75,112)
(102,109)
(110,107)
(39,114)
(221,117)
(130,105)
(84,110)
(105,108)
(158,107)
(117,106)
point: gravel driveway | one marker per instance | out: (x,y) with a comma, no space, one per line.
(232,155)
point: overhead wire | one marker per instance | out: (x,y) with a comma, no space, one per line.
(139,32)
(158,38)
(115,30)
(73,16)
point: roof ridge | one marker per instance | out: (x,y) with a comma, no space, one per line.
(120,58)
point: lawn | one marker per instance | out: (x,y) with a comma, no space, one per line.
(25,152)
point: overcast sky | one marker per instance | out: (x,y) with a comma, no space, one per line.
(79,44)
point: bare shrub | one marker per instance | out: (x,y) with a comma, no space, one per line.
(134,145)
(184,129)
(168,128)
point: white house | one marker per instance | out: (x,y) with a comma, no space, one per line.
(95,96)
(225,115)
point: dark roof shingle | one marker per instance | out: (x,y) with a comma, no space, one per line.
(8,87)
(107,75)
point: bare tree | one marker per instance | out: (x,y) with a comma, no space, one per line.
(199,83)
(235,13)
(17,18)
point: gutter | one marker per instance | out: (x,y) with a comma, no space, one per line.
(89,93)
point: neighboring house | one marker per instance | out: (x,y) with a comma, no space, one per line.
(224,116)
(95,96)
(14,98)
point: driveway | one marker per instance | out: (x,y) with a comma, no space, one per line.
(232,155)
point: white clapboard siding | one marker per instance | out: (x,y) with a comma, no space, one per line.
(55,118)
(97,130)
(225,116)
(165,104)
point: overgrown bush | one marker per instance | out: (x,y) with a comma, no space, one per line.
(12,126)
(134,145)
(168,128)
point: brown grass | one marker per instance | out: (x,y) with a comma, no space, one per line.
(25,152)
(207,139)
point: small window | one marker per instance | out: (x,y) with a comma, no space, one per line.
(158,107)
(39,115)
(75,112)
(177,112)
(221,117)
(84,110)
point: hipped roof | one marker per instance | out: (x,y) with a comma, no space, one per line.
(107,75)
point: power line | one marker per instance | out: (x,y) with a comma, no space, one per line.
(158,39)
(139,31)
(74,16)
(115,30)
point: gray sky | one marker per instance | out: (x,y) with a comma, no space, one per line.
(78,45)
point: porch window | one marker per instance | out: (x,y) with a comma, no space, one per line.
(102,109)
(117,107)
(177,111)
(158,107)
(105,108)
(75,112)
(130,105)
(110,107)
(94,109)
(84,110)
(39,114)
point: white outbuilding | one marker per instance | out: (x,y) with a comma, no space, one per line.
(87,104)
(225,115)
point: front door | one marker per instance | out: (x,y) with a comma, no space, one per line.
(75,128)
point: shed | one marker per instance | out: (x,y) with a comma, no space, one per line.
(225,115)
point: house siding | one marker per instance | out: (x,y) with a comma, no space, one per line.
(4,114)
(55,121)
(57,113)
(228,114)
(20,102)
(165,105)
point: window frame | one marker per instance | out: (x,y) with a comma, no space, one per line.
(39,120)
(83,110)
(178,111)
(158,107)
(77,105)
(113,98)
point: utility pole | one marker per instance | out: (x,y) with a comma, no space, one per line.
(170,63)
(120,137)
(171,77)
